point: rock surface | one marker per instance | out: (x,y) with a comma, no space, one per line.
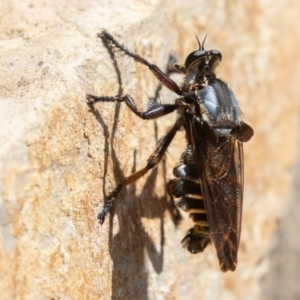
(58,158)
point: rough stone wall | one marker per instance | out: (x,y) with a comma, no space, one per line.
(58,158)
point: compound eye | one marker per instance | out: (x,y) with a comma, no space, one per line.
(216,54)
(215,58)
(192,57)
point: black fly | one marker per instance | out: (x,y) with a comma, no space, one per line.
(209,178)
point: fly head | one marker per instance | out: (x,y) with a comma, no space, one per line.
(200,64)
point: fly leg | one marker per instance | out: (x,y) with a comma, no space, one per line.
(173,67)
(158,73)
(156,110)
(152,161)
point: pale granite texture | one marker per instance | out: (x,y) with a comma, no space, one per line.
(58,158)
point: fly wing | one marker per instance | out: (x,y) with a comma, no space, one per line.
(220,167)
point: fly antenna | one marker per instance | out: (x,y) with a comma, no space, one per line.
(199,44)
(202,46)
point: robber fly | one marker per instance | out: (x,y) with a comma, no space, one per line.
(209,178)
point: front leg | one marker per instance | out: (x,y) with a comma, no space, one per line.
(158,73)
(156,110)
(175,68)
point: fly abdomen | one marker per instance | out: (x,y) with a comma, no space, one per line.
(200,219)
(187,187)
(186,171)
(197,239)
(191,204)
(182,187)
(187,156)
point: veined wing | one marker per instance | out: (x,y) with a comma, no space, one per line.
(220,167)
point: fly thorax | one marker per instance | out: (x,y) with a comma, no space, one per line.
(219,107)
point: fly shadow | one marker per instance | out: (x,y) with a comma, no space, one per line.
(127,247)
